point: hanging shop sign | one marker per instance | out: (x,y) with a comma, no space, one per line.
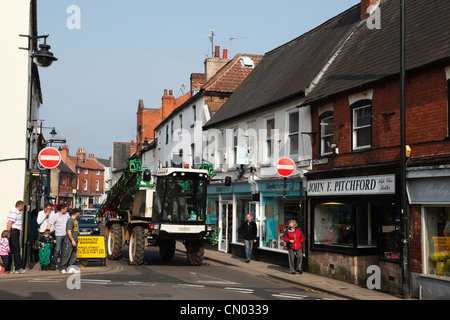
(367,185)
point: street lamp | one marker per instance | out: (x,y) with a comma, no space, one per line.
(42,57)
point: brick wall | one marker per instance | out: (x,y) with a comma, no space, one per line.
(426,121)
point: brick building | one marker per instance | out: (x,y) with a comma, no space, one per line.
(79,177)
(149,118)
(353,187)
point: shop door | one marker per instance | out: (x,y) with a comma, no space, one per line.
(225,212)
(253,209)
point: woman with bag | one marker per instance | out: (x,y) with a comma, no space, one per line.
(294,238)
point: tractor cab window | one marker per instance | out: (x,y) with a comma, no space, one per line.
(180,199)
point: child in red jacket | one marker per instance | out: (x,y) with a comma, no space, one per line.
(294,238)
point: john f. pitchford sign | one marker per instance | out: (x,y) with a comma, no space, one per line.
(369,185)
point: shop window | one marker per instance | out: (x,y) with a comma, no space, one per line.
(345,225)
(277,215)
(333,225)
(437,241)
(362,124)
(326,133)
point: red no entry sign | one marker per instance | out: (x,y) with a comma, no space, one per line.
(49,158)
(285,167)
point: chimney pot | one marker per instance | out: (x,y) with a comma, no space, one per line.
(165,92)
(170,92)
(225,53)
(217,52)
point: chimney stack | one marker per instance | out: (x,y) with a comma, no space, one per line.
(64,153)
(365,4)
(212,65)
(81,154)
(168,103)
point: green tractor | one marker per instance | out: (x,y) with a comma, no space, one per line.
(160,213)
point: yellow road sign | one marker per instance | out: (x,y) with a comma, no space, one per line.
(91,247)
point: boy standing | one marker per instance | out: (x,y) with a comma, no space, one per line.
(70,242)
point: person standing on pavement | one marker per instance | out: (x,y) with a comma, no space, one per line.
(14,227)
(59,222)
(4,251)
(294,238)
(43,219)
(249,233)
(70,242)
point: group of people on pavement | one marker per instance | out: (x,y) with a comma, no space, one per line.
(293,236)
(58,237)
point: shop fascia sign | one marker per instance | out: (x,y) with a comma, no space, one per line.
(367,185)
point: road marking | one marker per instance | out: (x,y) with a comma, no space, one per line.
(289,296)
(240,290)
(185,285)
(215,281)
(139,283)
(94,281)
(44,280)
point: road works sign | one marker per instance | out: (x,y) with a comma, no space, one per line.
(91,247)
(285,167)
(49,158)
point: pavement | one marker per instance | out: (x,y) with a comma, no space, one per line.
(307,281)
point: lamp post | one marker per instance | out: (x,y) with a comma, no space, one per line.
(403,197)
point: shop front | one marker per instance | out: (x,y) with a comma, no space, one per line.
(429,195)
(355,223)
(271,207)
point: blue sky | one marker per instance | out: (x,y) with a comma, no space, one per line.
(126,51)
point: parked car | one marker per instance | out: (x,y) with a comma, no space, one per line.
(87,226)
(89,212)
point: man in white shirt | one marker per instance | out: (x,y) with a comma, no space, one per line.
(44,217)
(58,221)
(14,226)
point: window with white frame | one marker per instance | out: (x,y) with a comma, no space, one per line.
(171,130)
(85,184)
(235,146)
(167,134)
(326,133)
(85,171)
(194,116)
(270,127)
(362,124)
(98,172)
(97,185)
(293,126)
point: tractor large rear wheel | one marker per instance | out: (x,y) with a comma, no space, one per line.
(137,246)
(114,241)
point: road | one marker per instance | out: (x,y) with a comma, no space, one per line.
(159,280)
